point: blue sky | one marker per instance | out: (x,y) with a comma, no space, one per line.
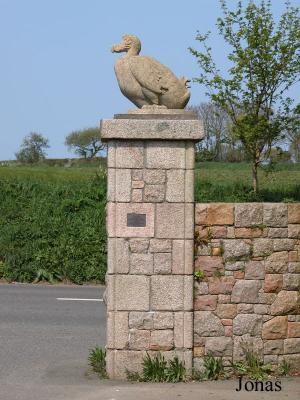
(56,69)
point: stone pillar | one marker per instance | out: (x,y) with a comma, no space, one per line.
(150,227)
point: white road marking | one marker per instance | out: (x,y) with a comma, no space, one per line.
(76,299)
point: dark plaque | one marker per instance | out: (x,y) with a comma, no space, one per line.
(136,220)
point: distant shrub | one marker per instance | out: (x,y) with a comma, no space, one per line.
(53,230)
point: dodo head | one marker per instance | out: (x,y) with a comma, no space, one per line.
(130,44)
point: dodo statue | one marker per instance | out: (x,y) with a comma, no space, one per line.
(145,81)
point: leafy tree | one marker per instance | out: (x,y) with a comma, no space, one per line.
(85,142)
(293,134)
(33,148)
(265,62)
(215,124)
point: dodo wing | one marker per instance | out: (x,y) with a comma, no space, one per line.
(151,74)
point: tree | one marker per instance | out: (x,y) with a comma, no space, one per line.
(32,149)
(265,62)
(215,123)
(86,142)
(293,134)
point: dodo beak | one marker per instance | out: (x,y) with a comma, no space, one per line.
(118,48)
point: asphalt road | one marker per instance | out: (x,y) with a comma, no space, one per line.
(45,342)
(44,345)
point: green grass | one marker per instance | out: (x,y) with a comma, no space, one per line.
(224,182)
(52,219)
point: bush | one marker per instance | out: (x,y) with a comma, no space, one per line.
(52,229)
(97,360)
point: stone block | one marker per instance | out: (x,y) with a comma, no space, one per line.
(137,175)
(273,346)
(111,256)
(294,213)
(162,263)
(165,154)
(111,219)
(111,154)
(118,362)
(245,291)
(262,247)
(162,339)
(123,185)
(234,265)
(236,249)
(111,184)
(226,311)
(273,283)
(200,288)
(254,270)
(132,292)
(137,195)
(275,328)
(248,214)
(209,264)
(122,230)
(261,309)
(294,329)
(291,282)
(200,214)
(291,346)
(170,221)
(154,193)
(245,308)
(183,257)
(294,231)
(189,211)
(139,245)
(137,184)
(222,285)
(294,256)
(219,346)
(167,293)
(183,329)
(219,214)
(121,256)
(199,351)
(141,264)
(271,359)
(163,320)
(286,302)
(189,186)
(276,267)
(275,214)
(175,186)
(141,320)
(219,232)
(139,339)
(190,155)
(226,322)
(277,233)
(160,246)
(223,298)
(207,324)
(205,302)
(283,244)
(154,176)
(294,267)
(129,154)
(117,330)
(247,323)
(188,292)
(248,233)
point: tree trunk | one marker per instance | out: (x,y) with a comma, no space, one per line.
(254,176)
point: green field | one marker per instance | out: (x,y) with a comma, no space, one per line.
(52,219)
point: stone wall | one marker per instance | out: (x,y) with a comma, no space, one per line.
(247,289)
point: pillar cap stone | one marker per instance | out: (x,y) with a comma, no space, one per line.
(153,124)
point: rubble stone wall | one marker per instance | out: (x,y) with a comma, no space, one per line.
(247,281)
